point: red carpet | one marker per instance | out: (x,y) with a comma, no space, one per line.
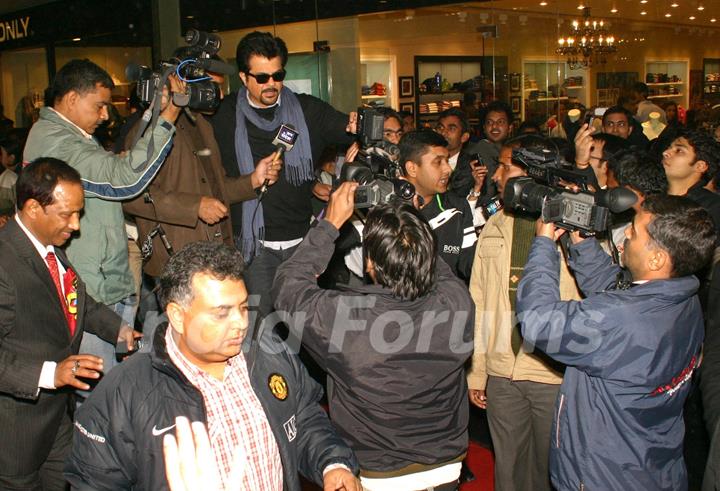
(481,463)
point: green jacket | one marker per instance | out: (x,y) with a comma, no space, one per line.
(100,253)
(7,191)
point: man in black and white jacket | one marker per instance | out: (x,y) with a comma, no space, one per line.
(424,156)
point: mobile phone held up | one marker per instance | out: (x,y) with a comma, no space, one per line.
(479,162)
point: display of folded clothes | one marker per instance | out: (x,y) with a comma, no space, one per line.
(377,89)
(438,106)
(658,78)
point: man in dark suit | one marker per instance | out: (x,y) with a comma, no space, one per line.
(43,312)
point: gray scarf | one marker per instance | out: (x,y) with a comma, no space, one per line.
(297,163)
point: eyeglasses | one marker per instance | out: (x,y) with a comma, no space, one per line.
(263,78)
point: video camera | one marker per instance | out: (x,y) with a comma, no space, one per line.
(378,153)
(375,168)
(192,67)
(544,191)
(375,187)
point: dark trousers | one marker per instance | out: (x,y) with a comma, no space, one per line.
(520,415)
(49,476)
(259,277)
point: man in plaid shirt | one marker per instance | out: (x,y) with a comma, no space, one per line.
(260,406)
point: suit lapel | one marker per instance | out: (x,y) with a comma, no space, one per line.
(27,252)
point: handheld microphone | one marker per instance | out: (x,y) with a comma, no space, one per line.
(284,142)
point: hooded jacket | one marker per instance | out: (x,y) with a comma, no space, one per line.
(117,444)
(630,355)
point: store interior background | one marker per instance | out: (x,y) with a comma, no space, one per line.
(381,47)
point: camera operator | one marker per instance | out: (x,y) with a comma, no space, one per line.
(245,125)
(401,404)
(593,151)
(424,156)
(517,387)
(189,197)
(630,353)
(81,94)
(392,133)
(392,125)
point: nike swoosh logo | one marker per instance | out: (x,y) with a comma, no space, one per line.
(159,432)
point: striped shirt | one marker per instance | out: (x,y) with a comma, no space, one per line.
(236,422)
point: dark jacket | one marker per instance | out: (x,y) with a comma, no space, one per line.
(461,179)
(630,355)
(192,170)
(114,446)
(708,200)
(33,329)
(398,393)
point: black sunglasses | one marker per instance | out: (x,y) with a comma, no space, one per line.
(263,78)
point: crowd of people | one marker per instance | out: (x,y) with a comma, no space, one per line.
(198,308)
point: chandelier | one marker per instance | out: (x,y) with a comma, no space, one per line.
(588,43)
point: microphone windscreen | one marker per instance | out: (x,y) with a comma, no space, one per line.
(216,66)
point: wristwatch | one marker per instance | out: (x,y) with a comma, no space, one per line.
(474,194)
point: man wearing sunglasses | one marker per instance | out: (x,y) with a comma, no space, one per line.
(269,229)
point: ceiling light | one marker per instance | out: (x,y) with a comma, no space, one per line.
(713,19)
(692,17)
(700,7)
(674,5)
(613,10)
(580,7)
(588,42)
(643,1)
(76,39)
(542,4)
(643,13)
(668,14)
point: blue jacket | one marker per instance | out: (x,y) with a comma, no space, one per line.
(630,355)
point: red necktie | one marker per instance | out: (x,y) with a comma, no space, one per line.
(55,273)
